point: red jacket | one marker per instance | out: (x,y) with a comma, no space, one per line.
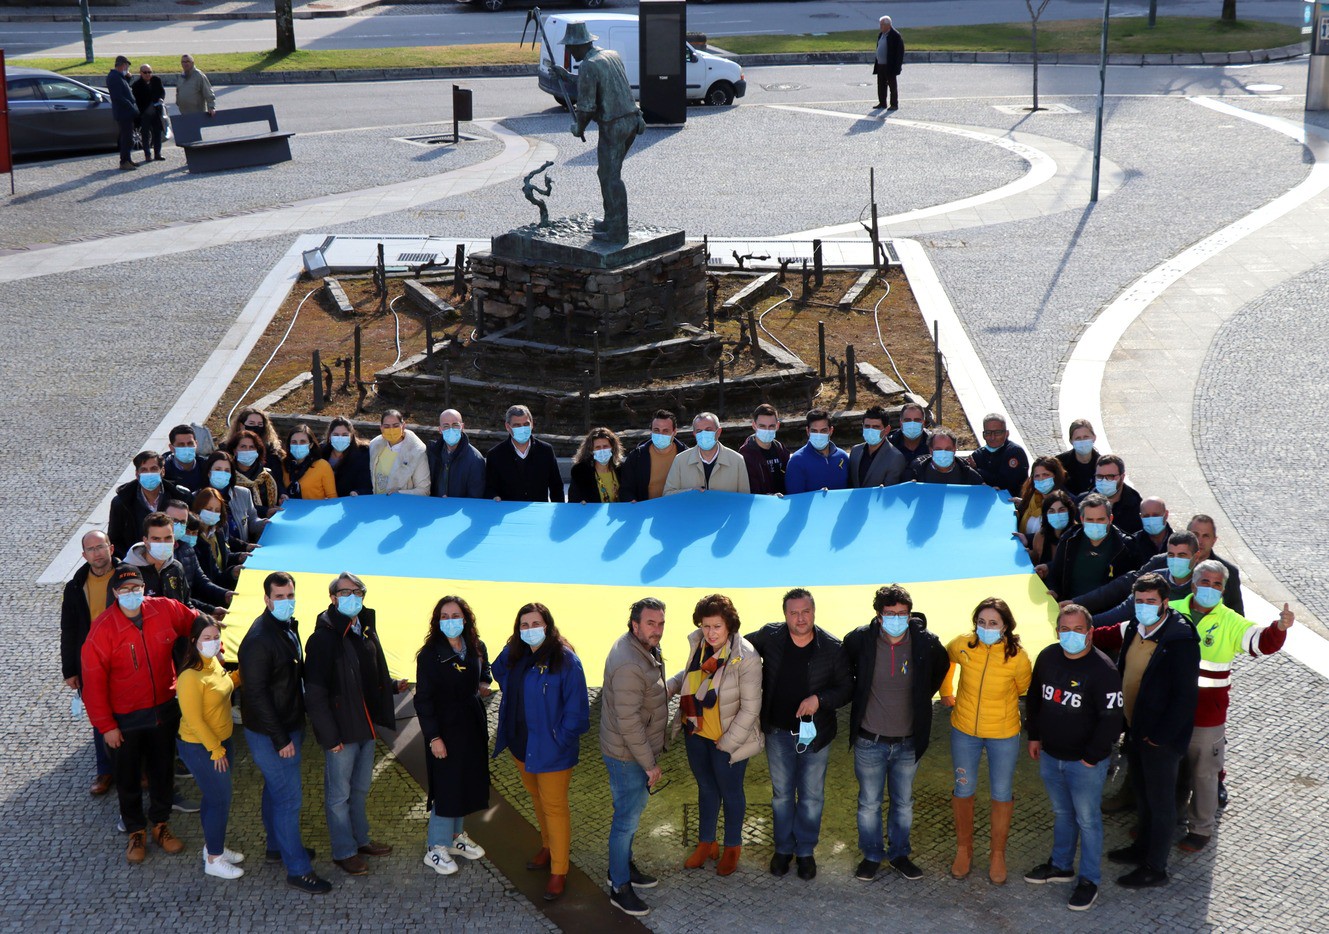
(126,669)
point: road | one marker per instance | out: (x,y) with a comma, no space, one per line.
(462,25)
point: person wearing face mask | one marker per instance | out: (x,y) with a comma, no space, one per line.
(348,456)
(896,666)
(941,465)
(876,462)
(306,474)
(911,438)
(182,466)
(243,524)
(523,468)
(129,693)
(204,743)
(543,711)
(1073,716)
(1206,532)
(214,553)
(646,467)
(1090,556)
(719,713)
(994,672)
(819,464)
(1060,517)
(398,460)
(1046,476)
(1151,540)
(272,707)
(451,680)
(254,420)
(634,719)
(1110,483)
(1081,460)
(595,476)
(204,595)
(456,468)
(1002,463)
(154,557)
(250,463)
(710,465)
(147,493)
(804,680)
(1113,603)
(766,458)
(1159,663)
(348,691)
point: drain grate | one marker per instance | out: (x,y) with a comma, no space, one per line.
(784,87)
(435,139)
(415,259)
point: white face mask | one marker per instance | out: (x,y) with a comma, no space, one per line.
(209,648)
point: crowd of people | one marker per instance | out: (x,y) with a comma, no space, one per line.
(1149,625)
(141,105)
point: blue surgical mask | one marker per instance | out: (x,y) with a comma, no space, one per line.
(283,610)
(533,637)
(209,517)
(190,540)
(1083,447)
(819,440)
(603,456)
(1179,568)
(1208,597)
(219,479)
(130,602)
(989,636)
(350,605)
(185,455)
(912,430)
(149,481)
(894,626)
(1044,486)
(450,627)
(160,551)
(1105,487)
(705,439)
(765,435)
(179,529)
(1096,531)
(990,449)
(1153,524)
(246,458)
(1147,614)
(872,436)
(1059,520)
(1073,642)
(661,442)
(451,436)
(807,733)
(299,451)
(521,433)
(340,442)
(943,458)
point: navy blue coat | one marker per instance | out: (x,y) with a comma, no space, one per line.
(464,472)
(557,711)
(123,105)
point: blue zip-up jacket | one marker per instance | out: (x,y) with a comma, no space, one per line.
(557,710)
(810,470)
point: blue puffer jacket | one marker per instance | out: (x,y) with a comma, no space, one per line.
(557,711)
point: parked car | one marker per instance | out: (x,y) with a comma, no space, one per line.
(710,77)
(49,113)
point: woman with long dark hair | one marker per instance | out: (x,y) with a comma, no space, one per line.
(1046,475)
(451,677)
(595,468)
(348,456)
(305,472)
(1060,517)
(251,470)
(544,711)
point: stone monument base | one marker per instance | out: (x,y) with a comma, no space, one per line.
(570,241)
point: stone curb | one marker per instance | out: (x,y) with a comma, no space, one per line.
(1024,58)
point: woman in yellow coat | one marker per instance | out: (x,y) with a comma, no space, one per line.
(994,672)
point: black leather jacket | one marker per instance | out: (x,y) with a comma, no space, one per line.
(272,698)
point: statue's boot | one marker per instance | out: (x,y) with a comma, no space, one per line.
(610,236)
(598,225)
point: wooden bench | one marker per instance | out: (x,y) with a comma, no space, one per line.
(231,139)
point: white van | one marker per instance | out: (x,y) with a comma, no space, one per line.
(710,78)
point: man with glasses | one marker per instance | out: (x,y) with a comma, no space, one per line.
(633,720)
(1001,462)
(897,665)
(86,597)
(150,95)
(193,90)
(803,682)
(1110,483)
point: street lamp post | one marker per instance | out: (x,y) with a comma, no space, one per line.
(87,30)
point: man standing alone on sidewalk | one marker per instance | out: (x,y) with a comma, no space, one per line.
(123,109)
(889,64)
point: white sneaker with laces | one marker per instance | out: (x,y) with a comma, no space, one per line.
(221,868)
(464,846)
(440,860)
(227,854)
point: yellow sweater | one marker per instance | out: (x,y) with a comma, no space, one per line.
(205,705)
(987,703)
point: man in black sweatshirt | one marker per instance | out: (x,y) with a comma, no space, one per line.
(1074,715)
(522,469)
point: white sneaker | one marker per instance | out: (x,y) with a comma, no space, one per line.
(438,859)
(229,855)
(464,846)
(221,869)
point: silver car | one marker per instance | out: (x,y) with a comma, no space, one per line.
(49,113)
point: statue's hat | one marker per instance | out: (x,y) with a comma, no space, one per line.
(578,34)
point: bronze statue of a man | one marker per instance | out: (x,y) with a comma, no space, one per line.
(605,96)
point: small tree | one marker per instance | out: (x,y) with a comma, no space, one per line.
(1229,11)
(1034,14)
(285,25)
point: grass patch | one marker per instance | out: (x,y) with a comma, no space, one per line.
(1125,36)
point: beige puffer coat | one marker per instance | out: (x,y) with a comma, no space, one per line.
(740,699)
(634,711)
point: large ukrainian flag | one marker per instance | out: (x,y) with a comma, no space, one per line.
(951,546)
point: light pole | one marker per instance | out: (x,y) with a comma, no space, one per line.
(87,30)
(1102,90)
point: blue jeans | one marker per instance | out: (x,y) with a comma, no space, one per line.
(346,779)
(717,781)
(798,791)
(215,807)
(1076,793)
(442,830)
(99,750)
(627,786)
(888,766)
(966,750)
(282,799)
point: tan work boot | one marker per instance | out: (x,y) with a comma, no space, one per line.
(162,836)
(137,851)
(1001,830)
(963,809)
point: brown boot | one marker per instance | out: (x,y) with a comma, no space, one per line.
(540,860)
(162,836)
(963,809)
(729,861)
(137,851)
(101,785)
(555,887)
(1001,830)
(703,852)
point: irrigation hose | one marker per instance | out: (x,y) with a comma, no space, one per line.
(876,319)
(270,357)
(762,317)
(392,307)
